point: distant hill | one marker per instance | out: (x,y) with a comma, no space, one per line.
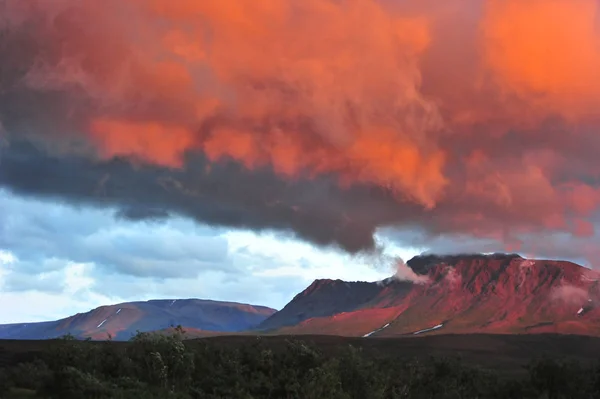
(498,293)
(121,321)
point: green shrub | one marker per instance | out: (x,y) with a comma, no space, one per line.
(71,383)
(324,382)
(161,360)
(558,379)
(30,375)
(6,382)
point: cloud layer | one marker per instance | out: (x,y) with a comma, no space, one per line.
(328,119)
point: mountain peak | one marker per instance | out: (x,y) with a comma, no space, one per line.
(421,264)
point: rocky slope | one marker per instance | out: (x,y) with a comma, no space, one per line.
(499,293)
(123,320)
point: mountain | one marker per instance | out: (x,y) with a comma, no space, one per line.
(121,321)
(473,293)
(460,294)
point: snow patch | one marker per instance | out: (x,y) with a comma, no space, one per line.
(374,331)
(118,311)
(174,300)
(100,325)
(429,329)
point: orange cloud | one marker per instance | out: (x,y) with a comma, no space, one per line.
(547,51)
(148,141)
(308,86)
(377,156)
(479,116)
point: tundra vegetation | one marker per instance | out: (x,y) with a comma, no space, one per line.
(158,365)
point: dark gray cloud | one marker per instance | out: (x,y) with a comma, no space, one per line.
(226,195)
(547,246)
(141,213)
(223,194)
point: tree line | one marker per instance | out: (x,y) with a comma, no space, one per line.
(165,366)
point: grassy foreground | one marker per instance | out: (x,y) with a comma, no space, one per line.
(166,366)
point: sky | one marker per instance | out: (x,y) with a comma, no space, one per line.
(240,150)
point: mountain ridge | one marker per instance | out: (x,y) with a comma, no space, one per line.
(120,321)
(452,294)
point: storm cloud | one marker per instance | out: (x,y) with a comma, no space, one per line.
(328,120)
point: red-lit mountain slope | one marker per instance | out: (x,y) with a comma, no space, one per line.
(123,320)
(464,294)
